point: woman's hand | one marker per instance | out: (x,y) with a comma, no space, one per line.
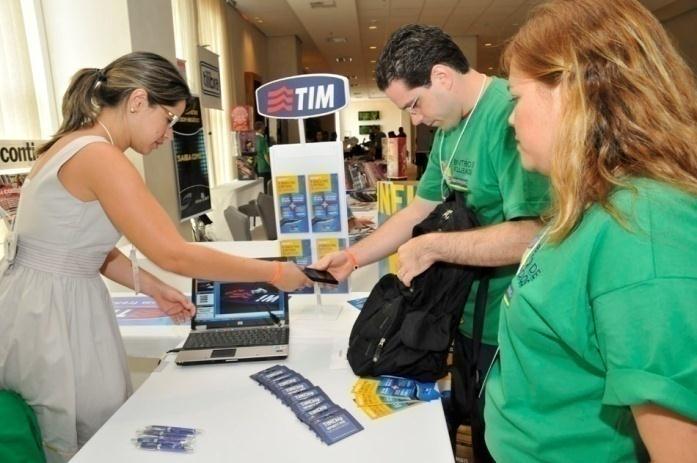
(291,278)
(173,303)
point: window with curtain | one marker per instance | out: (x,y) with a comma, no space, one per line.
(19,115)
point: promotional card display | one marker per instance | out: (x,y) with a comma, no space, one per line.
(310,403)
(308,178)
(300,252)
(326,246)
(385,395)
(292,204)
(326,212)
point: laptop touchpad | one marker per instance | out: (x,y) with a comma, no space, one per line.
(217,353)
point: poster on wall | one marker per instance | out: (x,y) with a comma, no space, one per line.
(209,70)
(292,204)
(242,118)
(190,164)
(326,212)
(327,246)
(300,252)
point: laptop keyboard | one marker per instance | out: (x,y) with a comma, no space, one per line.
(237,338)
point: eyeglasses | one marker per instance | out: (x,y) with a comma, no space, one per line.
(412,107)
(171,117)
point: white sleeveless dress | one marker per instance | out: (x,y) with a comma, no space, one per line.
(60,345)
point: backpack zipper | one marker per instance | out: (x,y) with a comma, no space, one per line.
(381,344)
(378,350)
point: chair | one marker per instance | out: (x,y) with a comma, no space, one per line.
(267,213)
(250,209)
(238,224)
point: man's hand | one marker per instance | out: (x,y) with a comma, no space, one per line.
(415,256)
(336,263)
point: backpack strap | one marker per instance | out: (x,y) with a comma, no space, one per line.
(478,326)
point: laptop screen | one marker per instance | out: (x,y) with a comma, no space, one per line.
(222,304)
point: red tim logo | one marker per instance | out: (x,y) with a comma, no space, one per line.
(280,99)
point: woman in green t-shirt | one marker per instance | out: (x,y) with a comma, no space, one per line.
(598,330)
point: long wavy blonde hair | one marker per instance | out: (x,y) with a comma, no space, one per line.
(629,101)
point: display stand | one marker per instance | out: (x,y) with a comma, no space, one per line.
(302,161)
(309,186)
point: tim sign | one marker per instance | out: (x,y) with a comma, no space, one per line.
(297,97)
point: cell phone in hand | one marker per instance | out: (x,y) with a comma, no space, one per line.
(320,276)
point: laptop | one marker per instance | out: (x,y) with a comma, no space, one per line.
(236,322)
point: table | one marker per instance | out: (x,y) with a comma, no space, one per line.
(242,422)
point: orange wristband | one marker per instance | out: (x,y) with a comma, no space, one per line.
(352,257)
(276,273)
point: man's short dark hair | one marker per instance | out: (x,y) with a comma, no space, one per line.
(412,51)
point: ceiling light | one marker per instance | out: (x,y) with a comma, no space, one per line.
(333,39)
(323,4)
(491,68)
(373,47)
(488,44)
(344,59)
(259,20)
(373,27)
(372,61)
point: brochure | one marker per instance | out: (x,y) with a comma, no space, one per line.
(292,204)
(326,207)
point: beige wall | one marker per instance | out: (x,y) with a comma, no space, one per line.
(248,49)
(85,33)
(391,118)
(683,30)
(468,45)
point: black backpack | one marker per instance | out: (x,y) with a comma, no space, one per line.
(408,331)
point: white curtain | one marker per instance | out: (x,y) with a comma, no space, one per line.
(212,31)
(19,117)
(186,39)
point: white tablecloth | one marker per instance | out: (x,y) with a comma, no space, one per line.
(242,422)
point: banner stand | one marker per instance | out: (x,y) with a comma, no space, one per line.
(309,180)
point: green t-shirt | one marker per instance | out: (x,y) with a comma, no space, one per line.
(20,436)
(602,321)
(262,149)
(486,168)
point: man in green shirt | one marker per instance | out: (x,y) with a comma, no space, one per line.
(474,154)
(262,159)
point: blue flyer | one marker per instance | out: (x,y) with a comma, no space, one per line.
(326,207)
(292,200)
(300,252)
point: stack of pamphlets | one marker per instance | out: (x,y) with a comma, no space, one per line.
(310,404)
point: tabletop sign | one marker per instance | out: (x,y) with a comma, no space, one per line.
(298,97)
